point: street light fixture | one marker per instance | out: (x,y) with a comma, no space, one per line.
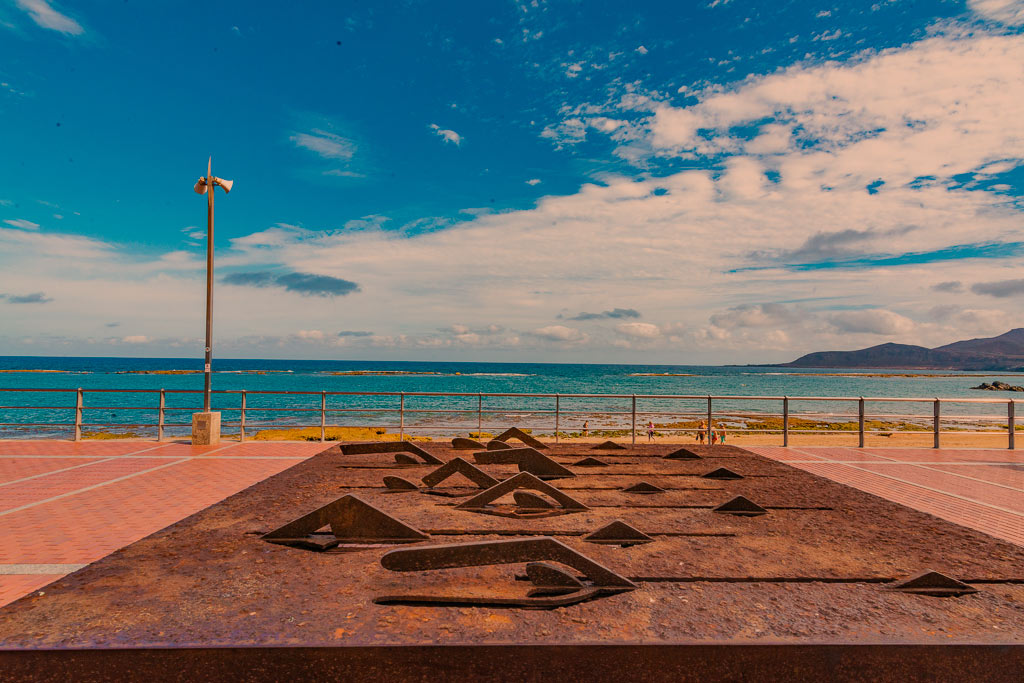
(206,425)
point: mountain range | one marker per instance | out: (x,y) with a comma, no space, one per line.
(1005,352)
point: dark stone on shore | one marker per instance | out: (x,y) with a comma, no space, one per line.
(998,386)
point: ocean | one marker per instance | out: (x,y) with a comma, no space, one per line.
(43,409)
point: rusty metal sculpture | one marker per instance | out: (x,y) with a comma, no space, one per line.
(390,447)
(352,521)
(523,480)
(516,433)
(460,466)
(556,588)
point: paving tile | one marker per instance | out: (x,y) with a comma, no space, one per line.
(907,476)
(12,469)
(13,586)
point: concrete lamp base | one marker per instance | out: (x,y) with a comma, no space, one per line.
(205,429)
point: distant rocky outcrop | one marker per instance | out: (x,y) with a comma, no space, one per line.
(998,386)
(1005,352)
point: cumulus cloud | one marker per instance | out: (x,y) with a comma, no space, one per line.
(354,333)
(1010,12)
(324,143)
(307,284)
(872,321)
(560,333)
(44,14)
(614,314)
(758,315)
(533,181)
(136,339)
(447,135)
(949,286)
(999,289)
(638,330)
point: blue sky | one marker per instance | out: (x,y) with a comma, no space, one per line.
(486,180)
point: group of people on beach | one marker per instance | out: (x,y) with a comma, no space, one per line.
(716,435)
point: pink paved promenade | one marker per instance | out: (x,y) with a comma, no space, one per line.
(978,488)
(65,504)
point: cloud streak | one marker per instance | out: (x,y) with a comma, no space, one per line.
(47,17)
(306,284)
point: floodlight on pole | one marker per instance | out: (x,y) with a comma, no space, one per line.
(206,185)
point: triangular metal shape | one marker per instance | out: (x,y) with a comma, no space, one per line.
(390,447)
(494,445)
(516,433)
(352,520)
(399,484)
(935,584)
(460,443)
(525,499)
(505,456)
(721,473)
(609,446)
(682,454)
(740,506)
(544,467)
(643,487)
(590,462)
(618,533)
(523,480)
(460,466)
(528,459)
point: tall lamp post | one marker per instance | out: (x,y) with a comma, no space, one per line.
(206,425)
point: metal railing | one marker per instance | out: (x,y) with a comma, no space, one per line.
(389,410)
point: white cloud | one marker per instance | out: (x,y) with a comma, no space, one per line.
(326,144)
(560,333)
(698,251)
(447,135)
(874,321)
(638,330)
(533,181)
(46,16)
(1010,12)
(136,339)
(21,223)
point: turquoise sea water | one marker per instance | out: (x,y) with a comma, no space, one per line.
(470,378)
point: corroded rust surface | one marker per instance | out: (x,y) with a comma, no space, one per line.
(817,569)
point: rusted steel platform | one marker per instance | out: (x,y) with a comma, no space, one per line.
(323,570)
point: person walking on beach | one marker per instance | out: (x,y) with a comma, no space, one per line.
(712,435)
(700,432)
(586,427)
(721,434)
(650,431)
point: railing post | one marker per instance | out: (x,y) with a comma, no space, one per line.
(634,419)
(860,422)
(785,421)
(78,414)
(707,435)
(401,417)
(160,417)
(241,424)
(935,422)
(479,415)
(323,416)
(557,415)
(1011,419)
